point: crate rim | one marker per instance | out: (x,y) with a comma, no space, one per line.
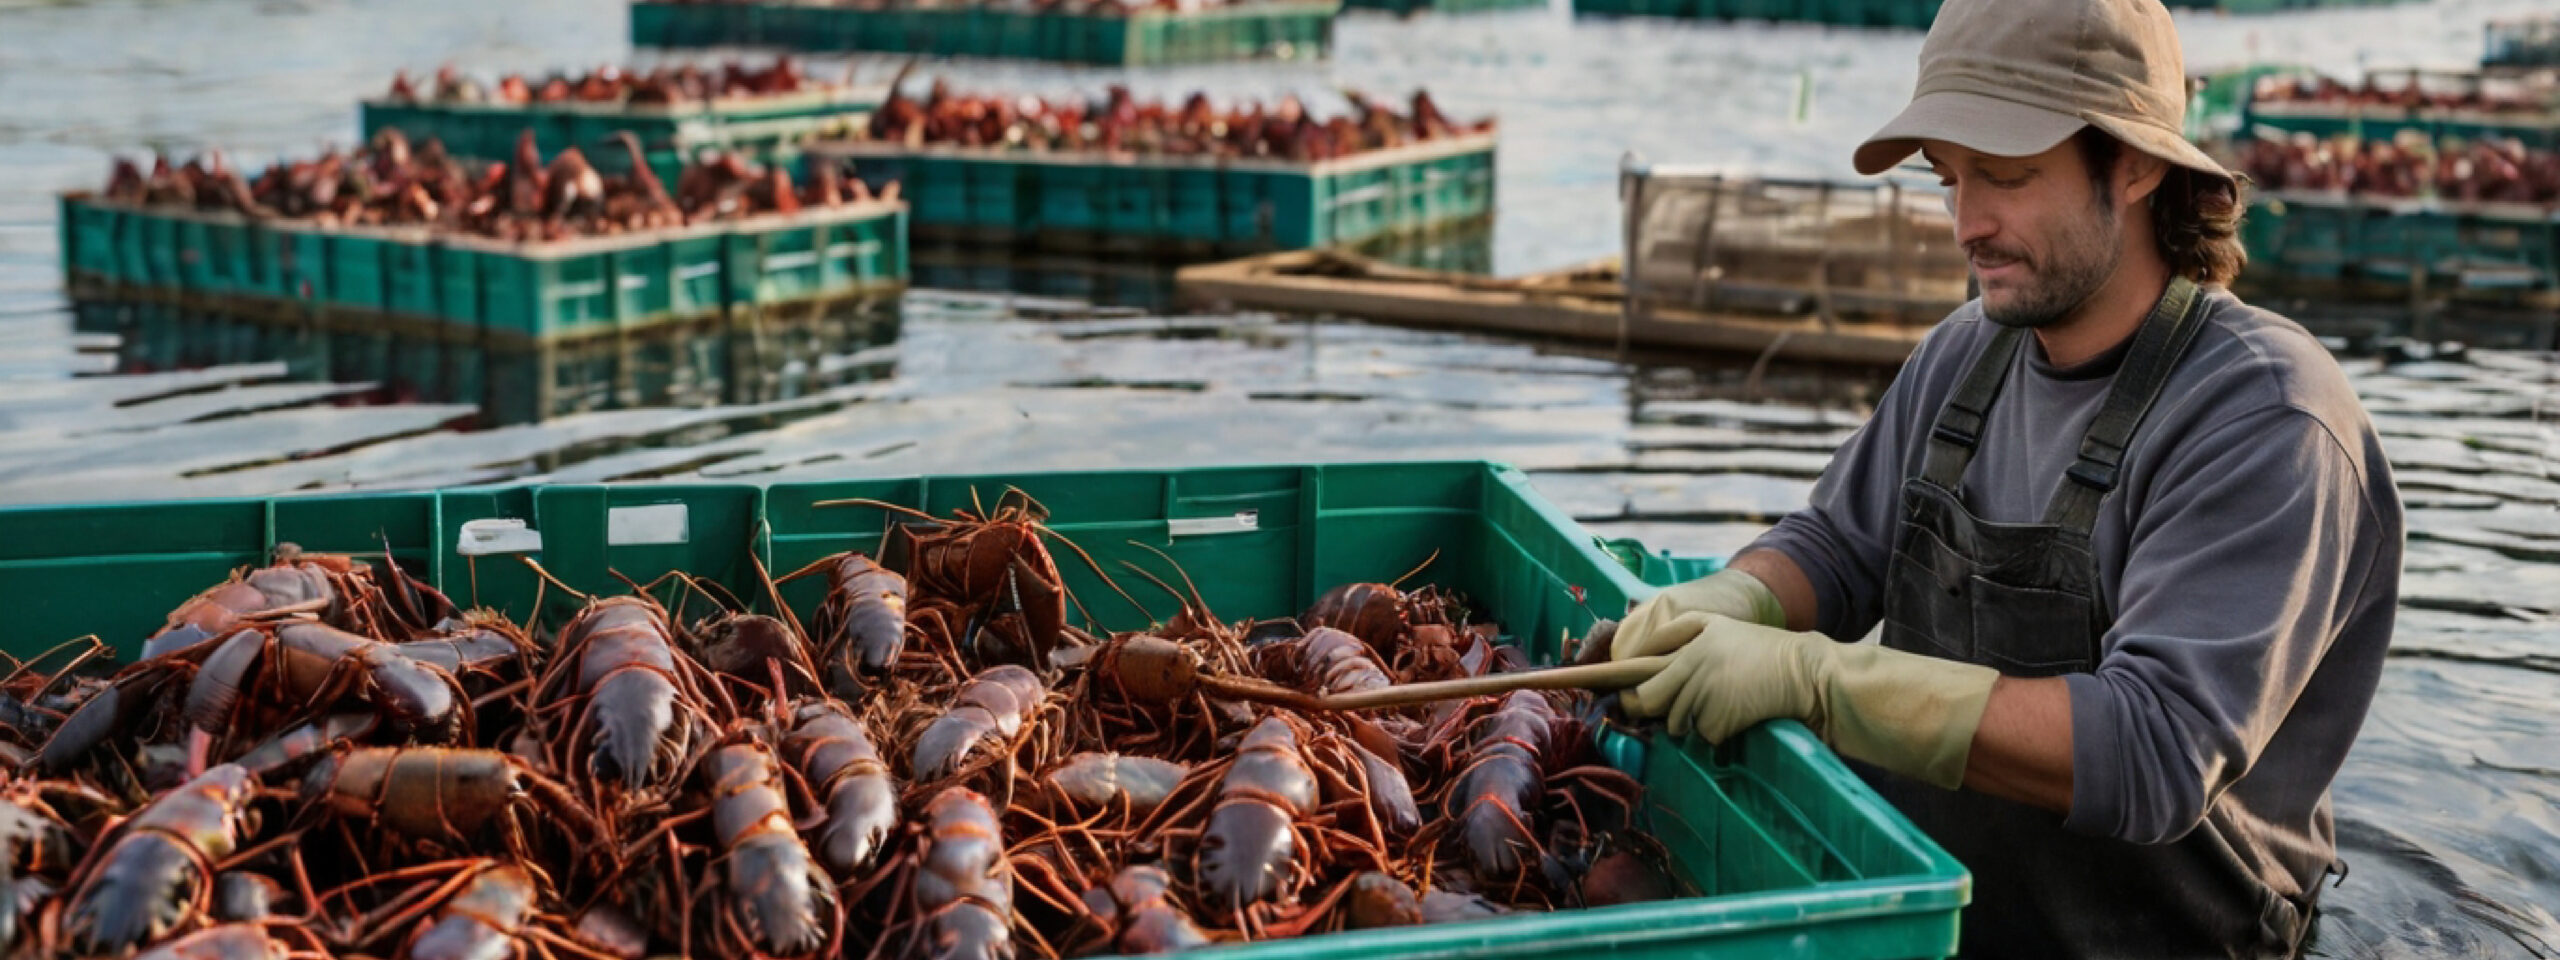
(1469,143)
(847,96)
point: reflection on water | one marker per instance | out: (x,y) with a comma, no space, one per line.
(1148,284)
(757,358)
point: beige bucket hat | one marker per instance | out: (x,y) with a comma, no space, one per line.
(2013,78)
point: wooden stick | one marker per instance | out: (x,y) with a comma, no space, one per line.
(1612,675)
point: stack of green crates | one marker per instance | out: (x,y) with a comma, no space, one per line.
(2448,246)
(1780,849)
(764,129)
(507,290)
(1253,30)
(1897,14)
(1077,201)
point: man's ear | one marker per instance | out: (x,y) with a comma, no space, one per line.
(2138,176)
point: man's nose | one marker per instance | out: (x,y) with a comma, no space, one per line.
(1973,222)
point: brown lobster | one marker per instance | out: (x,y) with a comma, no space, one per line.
(964,883)
(833,754)
(634,702)
(1513,748)
(1249,851)
(781,903)
(993,709)
(450,798)
(1138,913)
(862,625)
(155,878)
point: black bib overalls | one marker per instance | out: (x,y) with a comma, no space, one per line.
(2025,598)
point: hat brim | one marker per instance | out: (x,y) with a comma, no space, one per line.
(2006,128)
(2001,128)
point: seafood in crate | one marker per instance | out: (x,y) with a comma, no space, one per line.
(956,761)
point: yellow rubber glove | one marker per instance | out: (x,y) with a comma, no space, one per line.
(1654,627)
(1911,714)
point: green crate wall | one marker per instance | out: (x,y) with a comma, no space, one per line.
(537,292)
(1186,201)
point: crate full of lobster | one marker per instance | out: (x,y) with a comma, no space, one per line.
(529,248)
(1122,172)
(1101,32)
(677,112)
(1028,716)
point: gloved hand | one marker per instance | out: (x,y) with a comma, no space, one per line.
(1911,714)
(1654,626)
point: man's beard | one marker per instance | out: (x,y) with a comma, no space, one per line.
(2082,261)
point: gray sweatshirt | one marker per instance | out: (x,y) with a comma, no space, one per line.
(2251,553)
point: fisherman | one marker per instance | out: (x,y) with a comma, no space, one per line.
(2132,543)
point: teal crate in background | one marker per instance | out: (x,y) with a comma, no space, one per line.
(1292,29)
(509,290)
(1178,203)
(89,233)
(763,129)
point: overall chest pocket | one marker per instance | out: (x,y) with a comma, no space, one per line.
(2031,631)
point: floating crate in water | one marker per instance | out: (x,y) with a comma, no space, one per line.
(527,291)
(2447,247)
(764,129)
(1784,852)
(1085,200)
(1895,14)
(1263,29)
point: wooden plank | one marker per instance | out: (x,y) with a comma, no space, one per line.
(1286,282)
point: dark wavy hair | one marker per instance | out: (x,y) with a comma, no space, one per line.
(2195,216)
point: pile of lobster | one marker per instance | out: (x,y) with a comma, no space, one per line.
(1123,123)
(391,183)
(324,757)
(681,84)
(2492,170)
(2467,96)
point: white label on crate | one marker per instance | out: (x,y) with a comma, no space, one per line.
(1243,521)
(568,290)
(492,535)
(634,282)
(787,261)
(655,523)
(697,271)
(840,249)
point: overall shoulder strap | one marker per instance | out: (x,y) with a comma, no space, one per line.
(1958,431)
(2157,347)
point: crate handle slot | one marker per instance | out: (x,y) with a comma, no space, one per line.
(654,523)
(494,535)
(1242,521)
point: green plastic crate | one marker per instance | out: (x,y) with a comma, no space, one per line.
(536,291)
(1791,853)
(89,230)
(766,129)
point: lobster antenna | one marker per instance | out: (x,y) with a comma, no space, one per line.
(1426,563)
(1196,598)
(552,580)
(1160,585)
(1097,571)
(814,565)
